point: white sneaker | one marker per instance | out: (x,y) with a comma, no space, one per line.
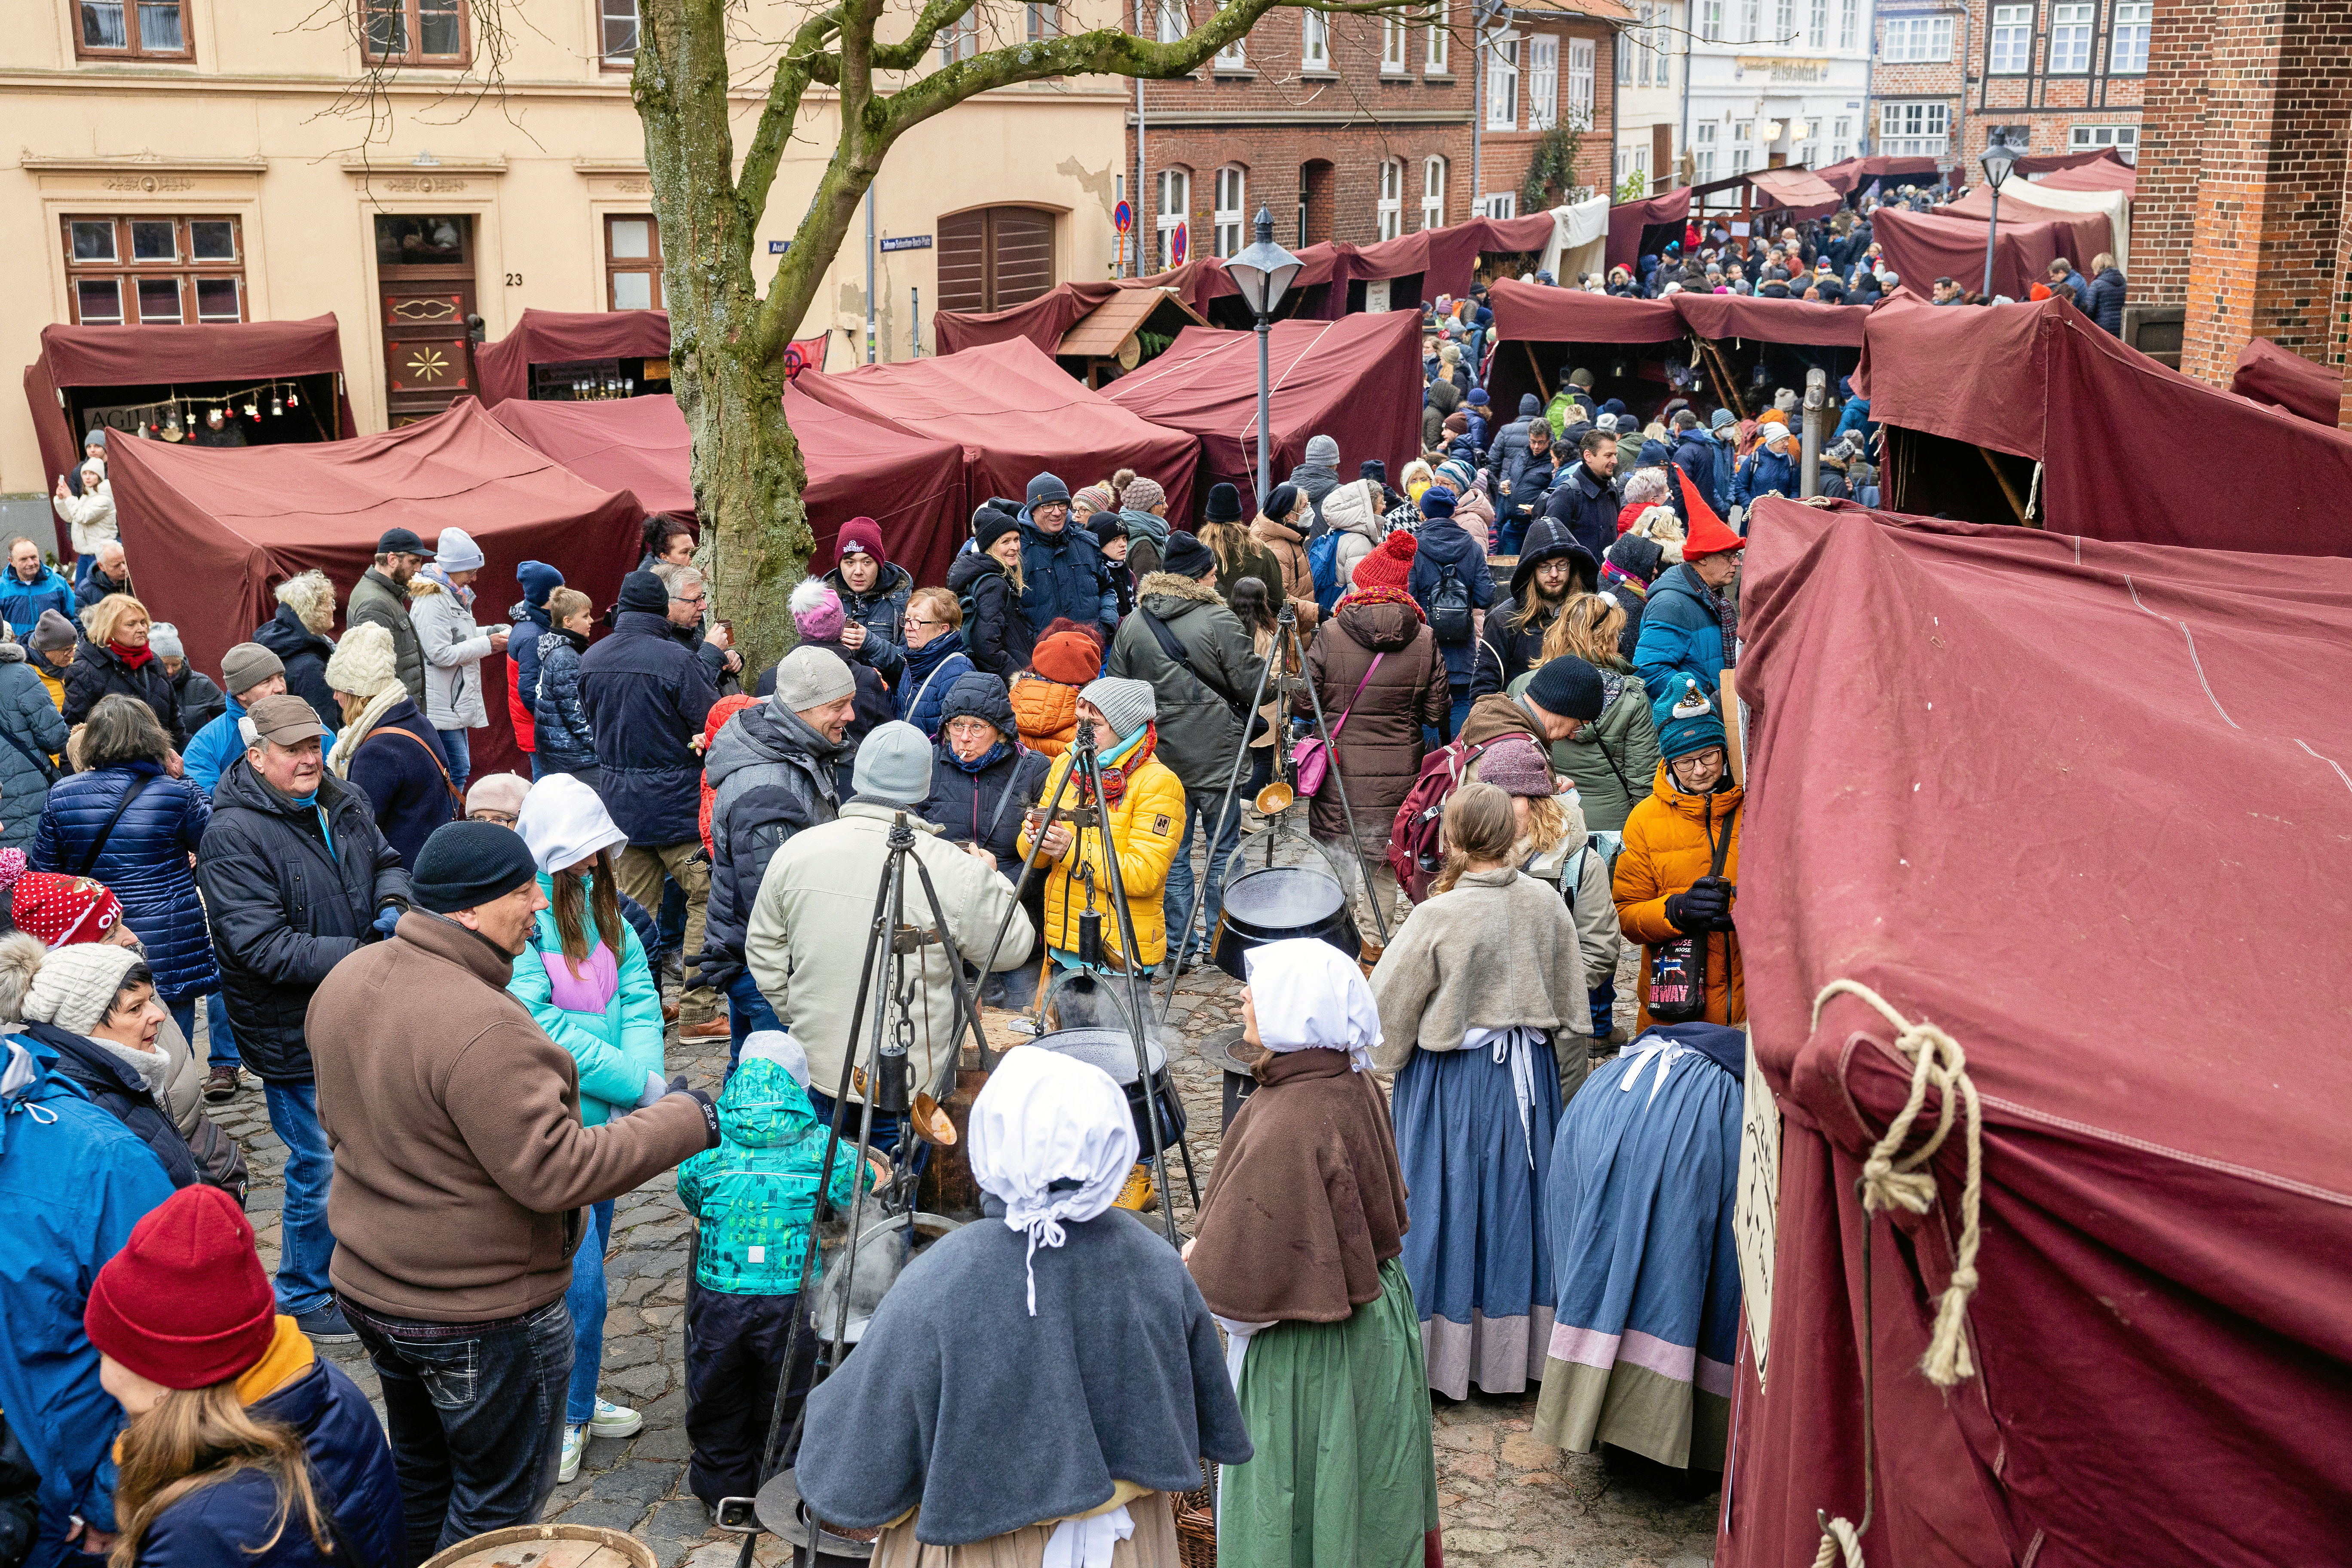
(575,1443)
(614,1421)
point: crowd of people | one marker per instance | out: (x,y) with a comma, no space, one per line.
(456,988)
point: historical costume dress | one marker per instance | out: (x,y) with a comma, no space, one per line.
(1297,1256)
(1034,1384)
(1642,1179)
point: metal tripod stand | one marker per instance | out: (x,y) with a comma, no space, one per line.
(1287,645)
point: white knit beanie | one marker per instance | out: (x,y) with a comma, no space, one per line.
(363,664)
(76,985)
(564,822)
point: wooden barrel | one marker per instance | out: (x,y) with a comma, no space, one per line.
(554,1546)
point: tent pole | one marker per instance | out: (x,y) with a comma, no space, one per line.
(1536,369)
(2016,501)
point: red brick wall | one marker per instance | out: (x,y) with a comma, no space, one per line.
(2172,143)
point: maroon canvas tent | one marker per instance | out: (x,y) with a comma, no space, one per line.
(1356,380)
(1041,320)
(2101,174)
(502,369)
(1850,174)
(78,360)
(1923,246)
(2269,374)
(1015,414)
(1628,219)
(913,488)
(2002,779)
(2051,162)
(2040,381)
(229,525)
(2093,233)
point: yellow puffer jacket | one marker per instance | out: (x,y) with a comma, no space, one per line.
(1146,826)
(1669,844)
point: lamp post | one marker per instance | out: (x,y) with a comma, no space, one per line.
(1263,272)
(1998,161)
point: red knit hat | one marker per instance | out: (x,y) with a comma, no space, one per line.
(185,1303)
(1389,565)
(861,534)
(1071,657)
(62,910)
(1708,534)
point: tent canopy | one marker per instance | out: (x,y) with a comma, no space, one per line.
(911,485)
(1628,219)
(230,524)
(2105,423)
(1922,247)
(2052,163)
(2101,174)
(1355,379)
(2167,1206)
(2024,201)
(1531,312)
(1850,174)
(502,369)
(148,356)
(1800,190)
(1015,414)
(2269,374)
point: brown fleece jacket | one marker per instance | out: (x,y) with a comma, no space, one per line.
(455,1122)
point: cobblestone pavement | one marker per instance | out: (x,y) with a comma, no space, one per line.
(1508,1500)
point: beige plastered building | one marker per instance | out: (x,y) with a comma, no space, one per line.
(204,160)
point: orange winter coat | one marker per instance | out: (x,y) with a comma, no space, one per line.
(1669,844)
(1046,710)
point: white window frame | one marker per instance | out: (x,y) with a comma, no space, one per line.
(2012,35)
(1432,192)
(1914,129)
(1174,207)
(1541,70)
(1817,29)
(1234,56)
(1710,21)
(1582,64)
(2124,139)
(1703,152)
(2128,54)
(1917,40)
(1501,81)
(1784,22)
(1389,208)
(1751,21)
(1440,41)
(1503,204)
(1233,206)
(1393,35)
(1841,139)
(1314,41)
(1174,19)
(1849,24)
(2070,38)
(960,40)
(609,12)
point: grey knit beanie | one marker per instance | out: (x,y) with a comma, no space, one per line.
(894,764)
(1324,450)
(1127,704)
(811,678)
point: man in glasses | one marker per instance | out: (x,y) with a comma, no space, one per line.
(689,612)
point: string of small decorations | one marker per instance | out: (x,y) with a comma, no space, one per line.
(175,417)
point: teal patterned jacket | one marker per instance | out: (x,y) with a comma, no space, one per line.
(756,1193)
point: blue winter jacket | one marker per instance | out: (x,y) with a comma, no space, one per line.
(1583,502)
(350,1466)
(530,624)
(145,861)
(406,781)
(1064,574)
(882,611)
(215,746)
(1680,633)
(1442,542)
(1695,452)
(930,670)
(1764,474)
(563,740)
(644,695)
(73,1181)
(22,602)
(32,732)
(607,1013)
(304,653)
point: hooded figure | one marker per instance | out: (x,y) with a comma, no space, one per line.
(1512,640)
(1297,1253)
(1103,1386)
(982,783)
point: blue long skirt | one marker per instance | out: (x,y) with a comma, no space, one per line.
(1476,1252)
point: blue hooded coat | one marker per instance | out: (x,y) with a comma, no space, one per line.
(1064,574)
(144,860)
(1680,633)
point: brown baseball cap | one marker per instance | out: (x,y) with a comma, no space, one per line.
(285,719)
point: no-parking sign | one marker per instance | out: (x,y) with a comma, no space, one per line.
(1122,217)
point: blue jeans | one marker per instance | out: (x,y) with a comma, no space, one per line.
(305,1245)
(1514,534)
(747,1013)
(183,1013)
(585,1301)
(221,1039)
(475,1412)
(670,919)
(1200,810)
(537,768)
(461,756)
(1603,998)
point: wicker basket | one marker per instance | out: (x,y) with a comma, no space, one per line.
(1196,1521)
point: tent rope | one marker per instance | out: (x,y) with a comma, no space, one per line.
(1839,1542)
(2033,495)
(1890,1178)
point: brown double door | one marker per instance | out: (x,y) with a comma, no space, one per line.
(425,275)
(992,259)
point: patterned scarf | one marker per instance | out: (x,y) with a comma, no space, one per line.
(1616,579)
(1727,616)
(1116,764)
(1378,596)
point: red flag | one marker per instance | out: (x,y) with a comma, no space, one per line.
(1707,533)
(806,353)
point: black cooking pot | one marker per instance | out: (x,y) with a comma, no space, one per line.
(1277,903)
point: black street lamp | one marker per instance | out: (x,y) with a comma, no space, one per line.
(1263,272)
(1998,161)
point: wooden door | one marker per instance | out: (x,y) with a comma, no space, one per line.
(425,271)
(992,259)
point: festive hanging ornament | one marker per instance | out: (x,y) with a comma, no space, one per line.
(172,431)
(215,417)
(277,405)
(251,411)
(291,399)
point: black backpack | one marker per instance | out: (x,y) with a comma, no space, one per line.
(1449,609)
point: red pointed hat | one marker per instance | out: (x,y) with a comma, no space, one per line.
(1708,536)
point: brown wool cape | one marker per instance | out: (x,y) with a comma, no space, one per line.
(1309,1199)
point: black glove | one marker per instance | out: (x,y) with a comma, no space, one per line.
(709,1111)
(716,967)
(1707,903)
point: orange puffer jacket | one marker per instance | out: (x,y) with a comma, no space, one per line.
(1669,844)
(1046,710)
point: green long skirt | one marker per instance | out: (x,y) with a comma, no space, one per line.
(1344,1474)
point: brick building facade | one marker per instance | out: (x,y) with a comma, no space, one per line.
(2058,75)
(2242,214)
(1357,128)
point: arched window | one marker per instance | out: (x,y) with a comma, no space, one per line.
(1232,222)
(1175,208)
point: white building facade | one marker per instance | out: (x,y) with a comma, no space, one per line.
(1652,52)
(1776,82)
